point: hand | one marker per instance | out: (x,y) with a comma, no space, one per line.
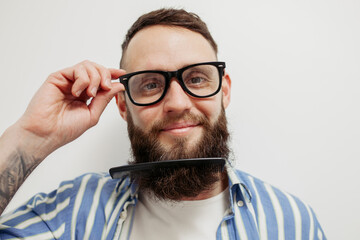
(59,112)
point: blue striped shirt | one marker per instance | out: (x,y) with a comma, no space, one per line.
(94,206)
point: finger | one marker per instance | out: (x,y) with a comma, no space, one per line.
(68,73)
(81,80)
(99,103)
(105,74)
(116,73)
(111,73)
(94,77)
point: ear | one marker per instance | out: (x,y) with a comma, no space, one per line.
(121,104)
(226,89)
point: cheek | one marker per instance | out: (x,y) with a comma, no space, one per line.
(144,117)
(211,109)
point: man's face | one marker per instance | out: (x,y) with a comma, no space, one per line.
(179,126)
(169,49)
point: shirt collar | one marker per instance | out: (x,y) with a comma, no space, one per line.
(126,184)
(236,184)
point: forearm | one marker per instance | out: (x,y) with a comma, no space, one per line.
(18,158)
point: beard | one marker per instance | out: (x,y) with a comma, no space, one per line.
(180,182)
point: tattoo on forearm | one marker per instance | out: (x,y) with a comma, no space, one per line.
(18,168)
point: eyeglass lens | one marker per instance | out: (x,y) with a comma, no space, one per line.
(201,80)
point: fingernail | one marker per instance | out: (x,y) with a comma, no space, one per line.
(78,93)
(94,91)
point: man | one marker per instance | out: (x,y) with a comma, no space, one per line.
(173,96)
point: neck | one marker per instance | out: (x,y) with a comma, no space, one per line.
(216,189)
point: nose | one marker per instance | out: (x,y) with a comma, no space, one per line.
(176,100)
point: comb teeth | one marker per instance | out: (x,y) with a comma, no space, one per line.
(143,168)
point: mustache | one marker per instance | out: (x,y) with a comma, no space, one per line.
(159,125)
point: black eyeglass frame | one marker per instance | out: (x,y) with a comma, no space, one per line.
(168,75)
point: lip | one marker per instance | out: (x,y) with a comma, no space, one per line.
(180,128)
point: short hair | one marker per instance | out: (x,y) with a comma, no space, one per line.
(169,17)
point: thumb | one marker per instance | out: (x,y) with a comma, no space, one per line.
(99,103)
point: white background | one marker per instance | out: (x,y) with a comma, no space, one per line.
(295,68)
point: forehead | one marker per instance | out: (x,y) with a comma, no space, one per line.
(166,48)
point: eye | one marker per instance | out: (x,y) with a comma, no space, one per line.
(196,80)
(150,85)
(201,80)
(146,84)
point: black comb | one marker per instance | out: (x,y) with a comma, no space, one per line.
(119,172)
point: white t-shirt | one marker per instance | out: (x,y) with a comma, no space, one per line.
(159,219)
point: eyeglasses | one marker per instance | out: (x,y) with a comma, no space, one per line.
(199,80)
